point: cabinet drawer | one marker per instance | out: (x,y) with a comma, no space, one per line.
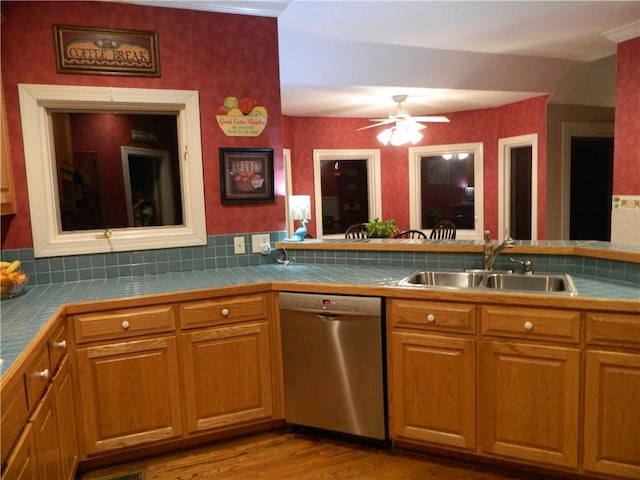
(126,323)
(37,375)
(613,329)
(423,315)
(14,413)
(223,310)
(57,346)
(533,323)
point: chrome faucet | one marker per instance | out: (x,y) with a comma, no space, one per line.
(490,254)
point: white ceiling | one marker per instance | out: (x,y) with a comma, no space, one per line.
(347,58)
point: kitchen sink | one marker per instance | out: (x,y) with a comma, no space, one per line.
(491,280)
(444,279)
(532,283)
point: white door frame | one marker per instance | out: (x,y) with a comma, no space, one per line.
(505,145)
(165,182)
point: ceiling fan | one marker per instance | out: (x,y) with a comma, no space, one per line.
(403,119)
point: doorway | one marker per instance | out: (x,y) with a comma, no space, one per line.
(518,187)
(148,181)
(591,188)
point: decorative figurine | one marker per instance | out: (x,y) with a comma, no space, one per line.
(300,233)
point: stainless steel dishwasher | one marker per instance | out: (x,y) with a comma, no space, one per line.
(334,363)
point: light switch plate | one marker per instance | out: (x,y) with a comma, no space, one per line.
(238,245)
(258,241)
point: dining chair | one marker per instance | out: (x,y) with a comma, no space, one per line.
(410,234)
(357,230)
(444,230)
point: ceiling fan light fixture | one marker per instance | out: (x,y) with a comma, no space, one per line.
(400,135)
(385,136)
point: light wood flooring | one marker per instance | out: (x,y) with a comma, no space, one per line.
(286,455)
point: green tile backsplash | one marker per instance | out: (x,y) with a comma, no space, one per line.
(218,253)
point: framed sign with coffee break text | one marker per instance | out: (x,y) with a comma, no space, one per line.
(105,51)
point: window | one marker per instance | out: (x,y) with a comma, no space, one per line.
(445,183)
(38,102)
(347,189)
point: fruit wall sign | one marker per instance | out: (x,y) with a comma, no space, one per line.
(241,117)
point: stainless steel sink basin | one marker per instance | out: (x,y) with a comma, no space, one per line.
(490,280)
(531,283)
(443,279)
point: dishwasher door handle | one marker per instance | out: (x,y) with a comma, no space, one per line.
(328,317)
(337,317)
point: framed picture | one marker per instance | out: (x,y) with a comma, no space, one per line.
(246,175)
(106,51)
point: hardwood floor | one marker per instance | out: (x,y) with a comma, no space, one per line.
(287,455)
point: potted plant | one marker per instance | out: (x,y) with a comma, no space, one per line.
(377,228)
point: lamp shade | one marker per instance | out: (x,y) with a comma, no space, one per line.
(399,135)
(299,207)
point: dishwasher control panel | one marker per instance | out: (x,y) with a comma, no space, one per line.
(337,304)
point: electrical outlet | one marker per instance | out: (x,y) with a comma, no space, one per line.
(238,245)
(258,241)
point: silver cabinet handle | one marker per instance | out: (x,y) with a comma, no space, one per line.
(43,374)
(431,318)
(225,312)
(125,325)
(528,326)
(60,344)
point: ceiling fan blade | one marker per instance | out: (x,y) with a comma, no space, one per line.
(418,126)
(386,122)
(431,119)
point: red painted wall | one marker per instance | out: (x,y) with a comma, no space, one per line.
(217,54)
(626,149)
(486,125)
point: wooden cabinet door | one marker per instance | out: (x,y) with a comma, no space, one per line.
(529,402)
(66,417)
(22,463)
(7,189)
(227,374)
(612,415)
(45,430)
(433,389)
(130,393)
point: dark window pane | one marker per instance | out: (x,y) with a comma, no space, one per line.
(345,194)
(447,190)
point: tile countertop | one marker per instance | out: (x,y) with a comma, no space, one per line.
(22,317)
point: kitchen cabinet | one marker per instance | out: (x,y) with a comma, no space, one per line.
(46,434)
(54,422)
(64,393)
(7,190)
(529,378)
(15,413)
(612,393)
(47,447)
(432,373)
(128,377)
(227,362)
(22,463)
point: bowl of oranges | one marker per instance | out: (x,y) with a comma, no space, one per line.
(12,279)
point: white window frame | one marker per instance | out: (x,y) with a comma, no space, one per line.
(48,238)
(374,178)
(415,189)
(505,145)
